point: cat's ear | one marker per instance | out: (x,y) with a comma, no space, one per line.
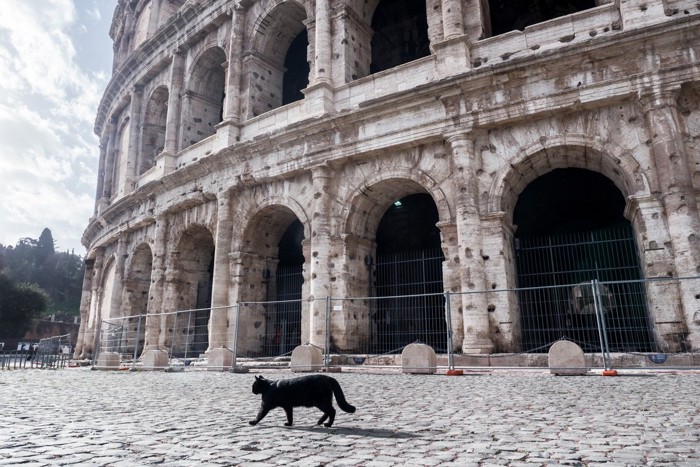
(257,378)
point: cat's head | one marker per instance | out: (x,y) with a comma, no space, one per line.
(260,384)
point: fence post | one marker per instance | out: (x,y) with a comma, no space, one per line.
(448,317)
(600,319)
(327,342)
(235,336)
(97,342)
(187,339)
(136,343)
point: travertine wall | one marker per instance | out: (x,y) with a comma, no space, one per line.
(614,89)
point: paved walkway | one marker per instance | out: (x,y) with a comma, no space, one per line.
(82,417)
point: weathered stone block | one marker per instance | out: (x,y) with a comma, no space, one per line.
(155,360)
(418,358)
(107,361)
(306,358)
(220,359)
(566,358)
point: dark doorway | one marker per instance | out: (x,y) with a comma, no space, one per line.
(400,34)
(516,15)
(284,323)
(296,75)
(570,231)
(408,278)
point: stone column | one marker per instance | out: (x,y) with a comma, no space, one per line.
(229,129)
(477,336)
(318,96)
(172,124)
(84,306)
(452,19)
(678,198)
(99,203)
(92,328)
(322,62)
(664,307)
(133,152)
(112,150)
(319,260)
(155,292)
(221,276)
(116,303)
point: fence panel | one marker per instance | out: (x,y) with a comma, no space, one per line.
(268,330)
(51,352)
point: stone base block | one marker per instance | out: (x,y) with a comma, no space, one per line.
(418,358)
(155,360)
(566,358)
(306,358)
(108,361)
(219,359)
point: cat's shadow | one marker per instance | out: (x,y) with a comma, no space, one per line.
(354,431)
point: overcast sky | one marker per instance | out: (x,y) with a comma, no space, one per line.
(55,61)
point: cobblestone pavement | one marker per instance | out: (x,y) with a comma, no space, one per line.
(82,417)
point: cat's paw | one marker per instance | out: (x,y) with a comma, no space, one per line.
(253,422)
(328,425)
(287,424)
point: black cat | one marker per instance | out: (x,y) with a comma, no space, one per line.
(305,391)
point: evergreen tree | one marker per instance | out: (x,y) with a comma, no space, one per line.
(20,304)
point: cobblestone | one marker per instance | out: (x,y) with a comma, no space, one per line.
(81,417)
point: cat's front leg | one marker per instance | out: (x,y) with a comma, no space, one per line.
(261,414)
(290,415)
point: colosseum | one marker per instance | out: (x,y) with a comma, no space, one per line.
(470,155)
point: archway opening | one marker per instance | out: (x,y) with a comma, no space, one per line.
(296,75)
(516,15)
(400,34)
(153,132)
(136,289)
(408,280)
(571,230)
(284,292)
(203,103)
(194,287)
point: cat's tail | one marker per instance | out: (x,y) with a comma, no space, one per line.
(340,397)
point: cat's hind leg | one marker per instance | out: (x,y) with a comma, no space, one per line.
(328,413)
(290,415)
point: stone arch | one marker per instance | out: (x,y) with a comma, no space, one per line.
(280,31)
(269,276)
(287,208)
(137,280)
(142,30)
(574,152)
(191,281)
(366,204)
(204,96)
(153,128)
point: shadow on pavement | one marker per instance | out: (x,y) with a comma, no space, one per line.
(354,431)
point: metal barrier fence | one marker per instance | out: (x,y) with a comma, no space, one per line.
(606,319)
(52,352)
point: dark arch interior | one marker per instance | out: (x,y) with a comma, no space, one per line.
(570,231)
(409,225)
(284,326)
(296,76)
(511,15)
(408,275)
(566,201)
(400,33)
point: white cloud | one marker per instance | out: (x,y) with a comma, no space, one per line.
(48,155)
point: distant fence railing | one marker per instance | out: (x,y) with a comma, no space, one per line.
(49,353)
(603,318)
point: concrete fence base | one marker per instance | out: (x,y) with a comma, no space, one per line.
(306,358)
(418,358)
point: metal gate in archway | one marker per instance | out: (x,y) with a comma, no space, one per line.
(555,298)
(409,304)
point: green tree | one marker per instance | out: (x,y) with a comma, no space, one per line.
(60,275)
(20,304)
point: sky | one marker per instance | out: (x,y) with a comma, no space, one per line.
(55,62)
